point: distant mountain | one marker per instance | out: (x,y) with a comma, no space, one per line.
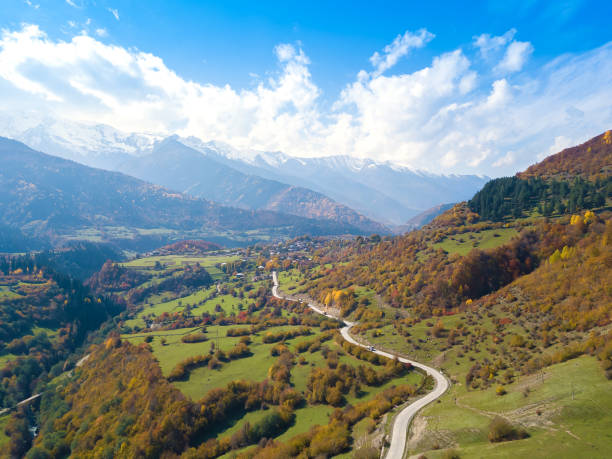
(95,145)
(181,168)
(52,197)
(383,192)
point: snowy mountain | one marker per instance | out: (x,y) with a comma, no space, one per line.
(178,167)
(95,145)
(385,192)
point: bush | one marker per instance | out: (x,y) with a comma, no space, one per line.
(240,350)
(182,369)
(500,390)
(501,429)
(198,337)
(451,454)
(270,337)
(238,331)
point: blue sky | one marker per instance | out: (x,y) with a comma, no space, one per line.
(223,42)
(300,61)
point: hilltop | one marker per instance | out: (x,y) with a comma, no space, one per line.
(188,247)
(589,160)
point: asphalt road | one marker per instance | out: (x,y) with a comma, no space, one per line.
(402,420)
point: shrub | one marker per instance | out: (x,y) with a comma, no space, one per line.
(517,341)
(238,351)
(198,337)
(278,349)
(238,331)
(270,337)
(182,369)
(450,454)
(366,452)
(501,429)
(500,390)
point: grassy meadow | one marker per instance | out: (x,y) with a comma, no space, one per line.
(229,295)
(565,410)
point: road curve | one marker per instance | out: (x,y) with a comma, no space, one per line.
(402,420)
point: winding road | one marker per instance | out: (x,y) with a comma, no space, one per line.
(402,420)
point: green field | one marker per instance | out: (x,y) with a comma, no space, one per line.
(485,239)
(567,413)
(255,368)
(199,301)
(290,280)
(169,261)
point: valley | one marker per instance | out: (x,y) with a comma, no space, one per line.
(271,230)
(241,336)
(486,333)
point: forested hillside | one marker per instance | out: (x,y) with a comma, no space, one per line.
(502,293)
(590,160)
(44,317)
(422,273)
(522,271)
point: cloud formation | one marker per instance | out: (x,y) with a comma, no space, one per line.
(398,49)
(487,43)
(479,109)
(515,57)
(114,12)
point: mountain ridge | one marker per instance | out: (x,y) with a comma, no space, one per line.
(384,192)
(45,195)
(179,167)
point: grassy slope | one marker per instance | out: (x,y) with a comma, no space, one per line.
(166,302)
(486,239)
(567,426)
(255,368)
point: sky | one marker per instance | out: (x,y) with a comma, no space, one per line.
(484,87)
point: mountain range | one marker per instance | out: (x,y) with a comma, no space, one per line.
(179,167)
(327,187)
(49,197)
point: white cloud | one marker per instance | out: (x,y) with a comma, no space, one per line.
(114,12)
(449,116)
(516,55)
(101,32)
(71,3)
(487,43)
(33,5)
(506,160)
(399,48)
